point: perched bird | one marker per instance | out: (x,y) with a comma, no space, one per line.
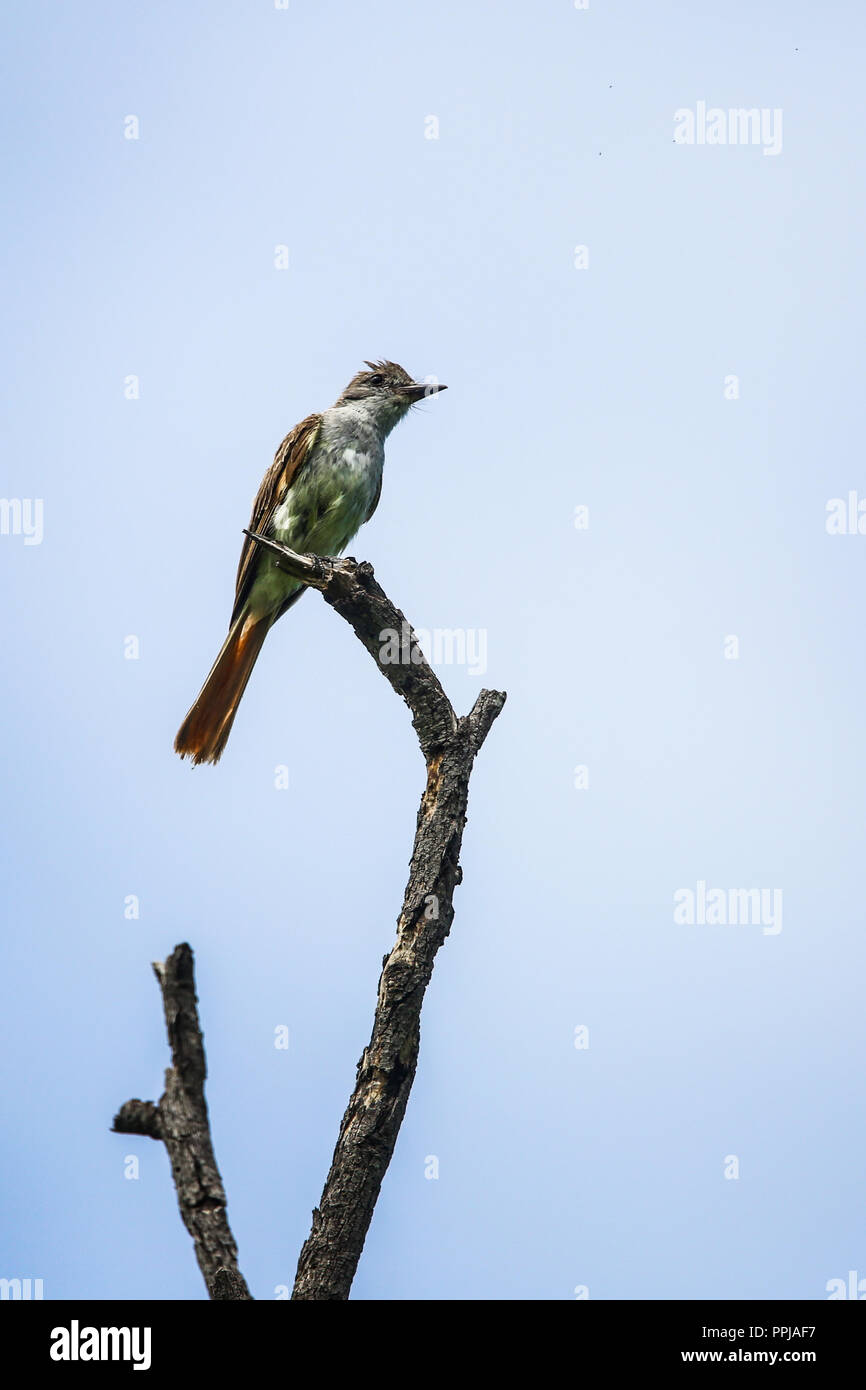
(324,483)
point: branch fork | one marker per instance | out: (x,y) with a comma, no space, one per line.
(386,1070)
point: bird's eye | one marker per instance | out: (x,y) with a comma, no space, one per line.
(376,379)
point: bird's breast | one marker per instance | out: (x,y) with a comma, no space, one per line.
(330,496)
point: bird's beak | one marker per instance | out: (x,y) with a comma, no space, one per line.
(417,390)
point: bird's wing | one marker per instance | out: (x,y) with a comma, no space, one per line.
(375,502)
(288,460)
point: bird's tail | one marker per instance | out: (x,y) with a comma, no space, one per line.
(204,733)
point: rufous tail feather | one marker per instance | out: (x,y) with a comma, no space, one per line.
(204,733)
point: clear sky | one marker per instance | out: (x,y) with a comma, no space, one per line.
(696,385)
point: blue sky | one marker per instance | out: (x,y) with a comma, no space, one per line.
(560,1168)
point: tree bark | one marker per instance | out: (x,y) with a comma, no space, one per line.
(180,1120)
(368,1133)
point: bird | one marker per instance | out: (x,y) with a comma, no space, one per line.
(324,483)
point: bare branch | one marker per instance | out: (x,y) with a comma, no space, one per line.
(351,589)
(368,1133)
(180,1120)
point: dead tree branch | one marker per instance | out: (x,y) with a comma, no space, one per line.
(180,1120)
(368,1133)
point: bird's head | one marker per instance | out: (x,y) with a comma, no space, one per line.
(386,391)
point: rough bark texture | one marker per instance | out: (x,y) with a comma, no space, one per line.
(180,1120)
(351,589)
(368,1133)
